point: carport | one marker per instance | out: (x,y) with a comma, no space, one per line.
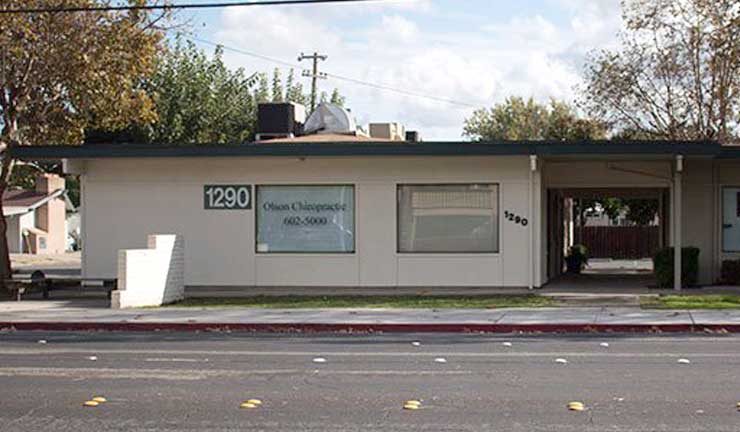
(642,170)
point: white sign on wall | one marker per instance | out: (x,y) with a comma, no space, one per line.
(306,219)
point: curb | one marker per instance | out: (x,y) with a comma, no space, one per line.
(368,328)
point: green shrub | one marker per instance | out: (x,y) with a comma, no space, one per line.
(577,258)
(663,267)
(730,273)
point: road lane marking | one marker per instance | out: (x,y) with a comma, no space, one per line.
(196,374)
(312,354)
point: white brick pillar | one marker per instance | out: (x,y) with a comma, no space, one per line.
(153,276)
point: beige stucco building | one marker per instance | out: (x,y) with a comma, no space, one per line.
(388,214)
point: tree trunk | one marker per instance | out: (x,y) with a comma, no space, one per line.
(5,268)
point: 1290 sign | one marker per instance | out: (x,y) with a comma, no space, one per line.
(227,197)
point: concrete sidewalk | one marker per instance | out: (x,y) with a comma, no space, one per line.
(92,314)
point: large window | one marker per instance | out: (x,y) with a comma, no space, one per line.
(731,219)
(305,219)
(448,218)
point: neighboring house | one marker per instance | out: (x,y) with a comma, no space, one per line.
(36,218)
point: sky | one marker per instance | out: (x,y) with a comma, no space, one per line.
(473,53)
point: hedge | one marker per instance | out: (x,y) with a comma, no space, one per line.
(663,267)
(730,273)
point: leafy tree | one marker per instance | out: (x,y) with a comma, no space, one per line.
(676,74)
(277,87)
(61,73)
(336,98)
(519,119)
(294,90)
(198,99)
(262,94)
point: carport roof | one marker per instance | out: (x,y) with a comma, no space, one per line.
(382,148)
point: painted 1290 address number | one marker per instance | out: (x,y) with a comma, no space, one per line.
(516,218)
(227,197)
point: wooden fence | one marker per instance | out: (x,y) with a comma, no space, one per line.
(619,242)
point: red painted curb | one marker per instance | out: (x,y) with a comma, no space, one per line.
(368,328)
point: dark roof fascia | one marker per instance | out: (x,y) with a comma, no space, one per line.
(453,148)
(730,152)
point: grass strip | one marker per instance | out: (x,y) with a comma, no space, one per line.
(710,301)
(354,301)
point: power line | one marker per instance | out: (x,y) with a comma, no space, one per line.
(340,77)
(109,8)
(401,91)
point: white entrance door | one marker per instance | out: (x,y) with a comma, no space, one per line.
(731,219)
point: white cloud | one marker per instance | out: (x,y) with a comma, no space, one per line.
(524,55)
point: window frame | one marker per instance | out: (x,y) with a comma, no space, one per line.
(497,221)
(257,206)
(722,217)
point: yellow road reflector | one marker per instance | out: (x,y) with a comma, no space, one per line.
(738,406)
(248,405)
(254,401)
(411,406)
(576,406)
(413,402)
(90,403)
(99,399)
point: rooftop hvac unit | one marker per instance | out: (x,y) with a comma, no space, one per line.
(388,131)
(413,136)
(330,119)
(280,120)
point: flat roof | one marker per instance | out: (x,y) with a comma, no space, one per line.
(381,148)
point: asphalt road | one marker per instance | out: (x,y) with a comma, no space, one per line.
(168,382)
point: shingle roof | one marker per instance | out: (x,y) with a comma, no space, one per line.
(22,198)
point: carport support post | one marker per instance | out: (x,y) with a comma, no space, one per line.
(677,222)
(532,221)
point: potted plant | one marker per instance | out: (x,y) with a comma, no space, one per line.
(576,259)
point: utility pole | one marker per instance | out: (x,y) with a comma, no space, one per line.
(314,74)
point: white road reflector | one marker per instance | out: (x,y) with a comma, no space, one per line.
(604,344)
(92,358)
(561,361)
(507,344)
(440,360)
(319,360)
(416,343)
(42,341)
(684,361)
